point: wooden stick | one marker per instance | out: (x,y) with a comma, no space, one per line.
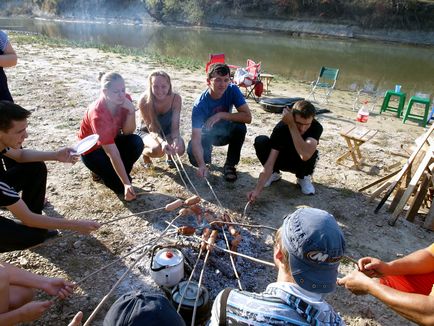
(233,252)
(244,224)
(232,260)
(245,208)
(189,280)
(379,180)
(238,254)
(422,167)
(95,311)
(404,169)
(193,317)
(135,214)
(215,196)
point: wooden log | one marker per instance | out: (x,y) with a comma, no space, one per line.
(418,198)
(414,180)
(429,219)
(388,176)
(379,190)
(404,169)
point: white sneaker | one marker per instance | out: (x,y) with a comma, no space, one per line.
(306,185)
(274,177)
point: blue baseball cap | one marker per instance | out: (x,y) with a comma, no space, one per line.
(315,244)
(137,309)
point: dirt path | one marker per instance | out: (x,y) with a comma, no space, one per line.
(57,84)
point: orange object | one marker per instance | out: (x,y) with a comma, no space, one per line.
(416,283)
(215,58)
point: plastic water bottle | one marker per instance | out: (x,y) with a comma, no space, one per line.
(363,114)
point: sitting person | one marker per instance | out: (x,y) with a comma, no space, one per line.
(161,110)
(17,288)
(113,118)
(406,284)
(24,171)
(8,58)
(215,124)
(292,147)
(139,309)
(307,251)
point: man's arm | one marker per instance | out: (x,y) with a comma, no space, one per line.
(305,148)
(28,155)
(9,57)
(196,147)
(243,115)
(415,307)
(418,262)
(27,217)
(265,174)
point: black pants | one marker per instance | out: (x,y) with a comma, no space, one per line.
(31,179)
(286,160)
(223,133)
(130,148)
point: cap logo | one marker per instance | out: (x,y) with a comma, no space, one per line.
(320,257)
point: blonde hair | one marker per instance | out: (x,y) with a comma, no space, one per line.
(107,78)
(147,99)
(285,258)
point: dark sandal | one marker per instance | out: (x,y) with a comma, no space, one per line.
(230,173)
(171,164)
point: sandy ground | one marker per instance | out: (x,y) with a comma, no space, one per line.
(57,84)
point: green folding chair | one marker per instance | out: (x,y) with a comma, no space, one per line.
(325,83)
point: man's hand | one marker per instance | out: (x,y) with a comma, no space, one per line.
(76,321)
(58,287)
(167,148)
(288,117)
(202,171)
(129,193)
(86,226)
(213,120)
(33,310)
(65,155)
(253,195)
(356,282)
(372,267)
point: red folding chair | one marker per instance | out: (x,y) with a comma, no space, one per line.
(215,58)
(250,79)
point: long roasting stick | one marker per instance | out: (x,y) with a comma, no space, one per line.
(95,311)
(238,254)
(193,317)
(246,225)
(134,214)
(189,280)
(404,170)
(232,260)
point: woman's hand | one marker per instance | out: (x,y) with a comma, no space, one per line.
(129,193)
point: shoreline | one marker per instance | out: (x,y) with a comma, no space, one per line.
(297,28)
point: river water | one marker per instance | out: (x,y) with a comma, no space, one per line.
(377,64)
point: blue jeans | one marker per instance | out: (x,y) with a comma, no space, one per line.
(223,133)
(130,148)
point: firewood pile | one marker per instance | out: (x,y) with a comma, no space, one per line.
(410,190)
